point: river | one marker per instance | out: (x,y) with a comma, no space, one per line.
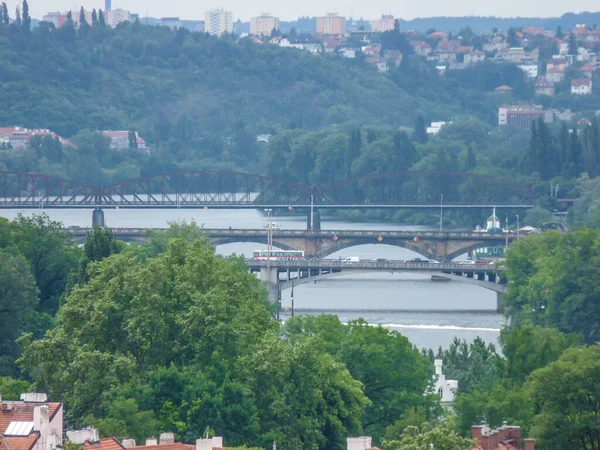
(430,313)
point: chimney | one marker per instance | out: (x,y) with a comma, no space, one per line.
(151,441)
(204,444)
(34,397)
(359,443)
(41,417)
(529,444)
(483,442)
(128,443)
(167,438)
(515,434)
(80,436)
(476,431)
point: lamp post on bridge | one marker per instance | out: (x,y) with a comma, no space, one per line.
(269,236)
(441,212)
(506,231)
(517,227)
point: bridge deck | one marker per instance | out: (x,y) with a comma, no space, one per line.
(407,266)
(328,234)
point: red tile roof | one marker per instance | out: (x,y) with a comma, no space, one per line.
(103,444)
(22,412)
(581,82)
(19,443)
(175,446)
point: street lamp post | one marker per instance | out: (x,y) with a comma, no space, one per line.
(269,236)
(506,231)
(517,227)
(441,212)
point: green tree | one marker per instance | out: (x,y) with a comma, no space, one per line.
(393,373)
(18,21)
(83,25)
(552,282)
(18,299)
(470,160)
(441,436)
(101,21)
(309,399)
(26,17)
(94,17)
(572,44)
(532,347)
(4,15)
(51,255)
(567,393)
(100,243)
(132,136)
(12,389)
(420,134)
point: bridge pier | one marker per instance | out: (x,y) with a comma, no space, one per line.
(98,218)
(270,275)
(313,221)
(500,302)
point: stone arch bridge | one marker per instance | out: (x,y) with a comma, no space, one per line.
(322,243)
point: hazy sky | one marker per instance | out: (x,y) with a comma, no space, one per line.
(286,10)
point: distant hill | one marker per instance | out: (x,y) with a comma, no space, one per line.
(159,80)
(486,24)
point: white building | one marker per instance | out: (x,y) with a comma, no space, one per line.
(263,25)
(218,21)
(116,16)
(359,443)
(446,389)
(386,23)
(581,86)
(435,127)
(530,69)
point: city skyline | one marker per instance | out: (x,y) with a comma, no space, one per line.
(245,10)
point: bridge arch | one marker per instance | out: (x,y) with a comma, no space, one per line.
(343,244)
(255,240)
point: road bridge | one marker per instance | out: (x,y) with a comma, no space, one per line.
(280,275)
(232,190)
(321,243)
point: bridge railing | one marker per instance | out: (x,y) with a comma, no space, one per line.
(325,264)
(327,234)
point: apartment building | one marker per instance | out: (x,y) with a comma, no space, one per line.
(218,21)
(263,25)
(332,23)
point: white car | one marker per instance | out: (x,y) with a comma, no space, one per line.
(433,261)
(466,262)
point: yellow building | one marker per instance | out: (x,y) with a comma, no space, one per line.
(263,25)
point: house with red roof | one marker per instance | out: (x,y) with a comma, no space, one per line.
(588,70)
(555,75)
(581,86)
(19,137)
(31,423)
(119,140)
(421,47)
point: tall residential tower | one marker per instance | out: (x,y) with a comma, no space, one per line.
(218,21)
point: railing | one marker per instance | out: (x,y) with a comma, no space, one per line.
(325,264)
(327,234)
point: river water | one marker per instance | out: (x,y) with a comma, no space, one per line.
(430,313)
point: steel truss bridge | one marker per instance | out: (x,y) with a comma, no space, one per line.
(230,190)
